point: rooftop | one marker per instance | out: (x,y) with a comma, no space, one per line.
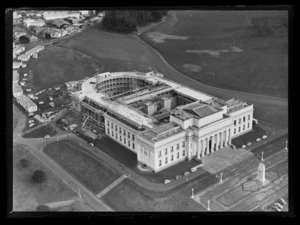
(17,88)
(235,105)
(162,131)
(25,101)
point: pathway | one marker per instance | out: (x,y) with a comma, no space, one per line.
(111,186)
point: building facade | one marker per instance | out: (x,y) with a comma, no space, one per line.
(163,122)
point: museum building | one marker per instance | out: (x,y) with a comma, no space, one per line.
(162,121)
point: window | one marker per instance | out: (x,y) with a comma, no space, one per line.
(166,160)
(116,128)
(133,137)
(107,123)
(124,140)
(159,162)
(177,146)
(120,138)
(244,119)
(183,153)
(234,122)
(107,130)
(128,143)
(171,157)
(124,132)
(112,133)
(112,126)
(234,130)
(239,120)
(177,155)
(183,144)
(166,151)
(244,127)
(171,148)
(248,125)
(120,130)
(239,129)
(117,135)
(159,154)
(128,135)
(248,117)
(145,152)
(133,145)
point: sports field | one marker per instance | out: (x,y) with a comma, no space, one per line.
(221,49)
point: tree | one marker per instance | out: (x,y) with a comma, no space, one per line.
(43,208)
(38,176)
(23,163)
(24,39)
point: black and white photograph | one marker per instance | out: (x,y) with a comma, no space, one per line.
(180,109)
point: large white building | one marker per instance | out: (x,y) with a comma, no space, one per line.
(162,121)
(35,23)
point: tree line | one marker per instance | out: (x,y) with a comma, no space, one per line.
(128,21)
(269,25)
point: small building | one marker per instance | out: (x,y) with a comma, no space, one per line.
(27,103)
(17,90)
(52,15)
(15,76)
(17,65)
(51,104)
(34,23)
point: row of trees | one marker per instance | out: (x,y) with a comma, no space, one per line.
(128,21)
(269,25)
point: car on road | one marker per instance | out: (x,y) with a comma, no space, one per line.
(249,143)
(278,205)
(244,146)
(167,181)
(91,144)
(264,137)
(258,139)
(177,177)
(47,136)
(276,208)
(186,173)
(282,201)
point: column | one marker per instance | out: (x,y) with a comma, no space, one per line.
(225,138)
(221,139)
(218,141)
(229,137)
(212,143)
(199,149)
(207,145)
(202,148)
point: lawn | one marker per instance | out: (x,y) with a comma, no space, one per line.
(251,136)
(41,132)
(128,196)
(92,173)
(55,66)
(262,61)
(27,195)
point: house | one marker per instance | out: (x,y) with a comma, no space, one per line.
(17,18)
(34,23)
(84,12)
(18,49)
(17,65)
(52,15)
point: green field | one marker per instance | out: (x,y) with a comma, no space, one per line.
(261,65)
(27,195)
(41,132)
(94,174)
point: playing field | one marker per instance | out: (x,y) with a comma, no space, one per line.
(92,173)
(221,49)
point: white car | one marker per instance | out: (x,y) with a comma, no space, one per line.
(258,139)
(186,173)
(167,181)
(282,201)
(177,177)
(278,205)
(276,208)
(249,143)
(264,137)
(47,136)
(91,144)
(244,146)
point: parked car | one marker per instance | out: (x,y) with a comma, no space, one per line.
(47,136)
(177,177)
(258,139)
(282,201)
(278,205)
(244,146)
(276,208)
(167,181)
(249,143)
(186,173)
(91,144)
(264,137)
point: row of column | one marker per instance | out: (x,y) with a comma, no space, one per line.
(218,141)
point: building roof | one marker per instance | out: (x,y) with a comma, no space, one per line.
(15,76)
(235,105)
(162,131)
(25,101)
(17,88)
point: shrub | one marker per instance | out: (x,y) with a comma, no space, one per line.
(38,176)
(24,163)
(43,208)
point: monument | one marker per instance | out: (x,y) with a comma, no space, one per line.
(261,173)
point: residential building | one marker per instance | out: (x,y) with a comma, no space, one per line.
(149,114)
(27,103)
(32,52)
(17,65)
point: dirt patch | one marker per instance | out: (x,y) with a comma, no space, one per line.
(192,67)
(159,37)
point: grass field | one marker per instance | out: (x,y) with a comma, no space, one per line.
(92,173)
(41,132)
(257,68)
(27,195)
(55,66)
(128,196)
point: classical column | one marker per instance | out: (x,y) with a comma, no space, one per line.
(229,136)
(207,145)
(212,143)
(202,148)
(225,138)
(221,139)
(218,141)
(199,149)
